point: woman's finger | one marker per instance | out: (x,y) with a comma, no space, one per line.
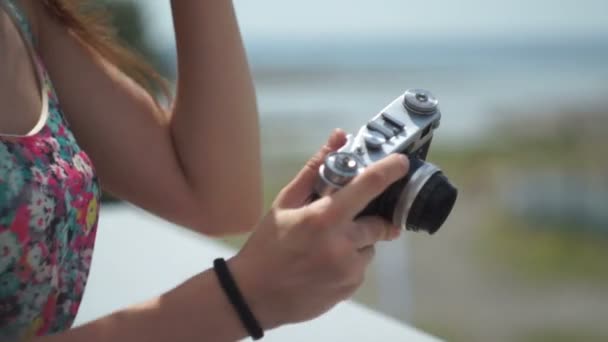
(295,194)
(349,201)
(370,229)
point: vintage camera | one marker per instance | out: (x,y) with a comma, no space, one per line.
(423,199)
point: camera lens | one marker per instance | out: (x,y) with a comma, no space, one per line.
(422,200)
(426,200)
(432,204)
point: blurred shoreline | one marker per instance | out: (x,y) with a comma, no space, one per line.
(481,83)
(479,87)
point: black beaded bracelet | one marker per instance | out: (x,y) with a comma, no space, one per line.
(236,299)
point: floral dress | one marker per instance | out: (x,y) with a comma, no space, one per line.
(49,205)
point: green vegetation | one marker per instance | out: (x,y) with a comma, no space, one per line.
(563,335)
(544,254)
(521,258)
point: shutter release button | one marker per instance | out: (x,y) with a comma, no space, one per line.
(374,140)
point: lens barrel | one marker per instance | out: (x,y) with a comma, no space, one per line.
(432,205)
(422,200)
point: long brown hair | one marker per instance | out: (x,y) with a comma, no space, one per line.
(91,23)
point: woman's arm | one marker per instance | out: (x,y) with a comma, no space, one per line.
(222,143)
(198,310)
(198,166)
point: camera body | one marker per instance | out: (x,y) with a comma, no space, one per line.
(421,200)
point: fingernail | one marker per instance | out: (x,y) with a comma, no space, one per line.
(332,137)
(336,139)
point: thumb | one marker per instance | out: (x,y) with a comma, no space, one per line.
(295,194)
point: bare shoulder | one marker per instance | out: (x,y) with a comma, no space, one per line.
(19,86)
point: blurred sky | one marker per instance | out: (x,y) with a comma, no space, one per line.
(281,19)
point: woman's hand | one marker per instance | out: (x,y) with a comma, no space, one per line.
(303,258)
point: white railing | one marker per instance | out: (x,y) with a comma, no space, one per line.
(138,256)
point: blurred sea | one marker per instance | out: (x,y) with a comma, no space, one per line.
(315,85)
(480,84)
(487,61)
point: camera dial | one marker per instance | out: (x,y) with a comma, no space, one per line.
(420,101)
(337,170)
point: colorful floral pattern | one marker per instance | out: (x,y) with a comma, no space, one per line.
(49,205)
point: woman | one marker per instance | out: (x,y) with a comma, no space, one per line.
(182,164)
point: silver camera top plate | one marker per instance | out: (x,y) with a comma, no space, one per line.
(404,126)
